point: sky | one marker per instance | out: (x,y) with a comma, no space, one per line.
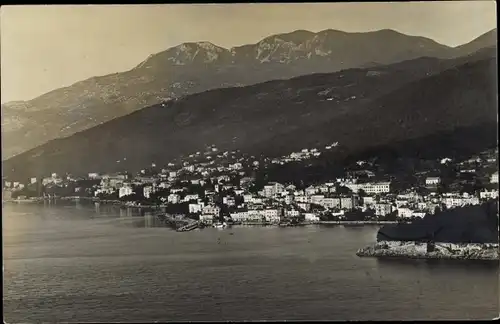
(45,47)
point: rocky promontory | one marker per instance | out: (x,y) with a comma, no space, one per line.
(467,233)
(418,250)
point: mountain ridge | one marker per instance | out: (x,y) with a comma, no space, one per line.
(360,108)
(174,73)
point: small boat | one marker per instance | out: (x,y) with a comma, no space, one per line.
(220,225)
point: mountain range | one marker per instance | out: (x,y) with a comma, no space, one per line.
(196,67)
(361,108)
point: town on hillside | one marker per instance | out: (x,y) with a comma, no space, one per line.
(230,186)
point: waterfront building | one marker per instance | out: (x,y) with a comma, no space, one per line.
(196,208)
(348,203)
(211,209)
(383,209)
(368,201)
(304,206)
(310,217)
(125,191)
(405,212)
(292,213)
(485,194)
(207,219)
(330,202)
(147,191)
(272,215)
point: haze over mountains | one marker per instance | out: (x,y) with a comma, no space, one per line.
(360,108)
(195,67)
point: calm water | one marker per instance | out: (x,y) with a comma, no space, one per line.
(79,264)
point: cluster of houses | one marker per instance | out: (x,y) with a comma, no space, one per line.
(304,154)
(224,188)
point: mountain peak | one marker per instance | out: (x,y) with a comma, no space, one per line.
(297,36)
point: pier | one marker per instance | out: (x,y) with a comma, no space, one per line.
(189,227)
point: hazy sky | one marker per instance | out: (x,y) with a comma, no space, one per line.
(48,47)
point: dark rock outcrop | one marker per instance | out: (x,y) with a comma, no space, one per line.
(471,224)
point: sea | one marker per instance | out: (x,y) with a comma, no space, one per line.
(84,263)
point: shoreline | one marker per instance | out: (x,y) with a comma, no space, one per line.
(122,204)
(117,203)
(436,251)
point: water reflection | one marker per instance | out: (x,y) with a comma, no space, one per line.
(435,265)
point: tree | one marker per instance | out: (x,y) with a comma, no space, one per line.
(392,216)
(355,215)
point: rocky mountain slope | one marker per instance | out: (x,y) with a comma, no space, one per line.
(359,108)
(194,67)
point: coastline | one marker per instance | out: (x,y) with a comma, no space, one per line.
(118,203)
(438,250)
(122,204)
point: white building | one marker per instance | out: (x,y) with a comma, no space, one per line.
(347,203)
(432,181)
(207,219)
(420,214)
(288,199)
(302,199)
(211,209)
(292,213)
(330,203)
(311,190)
(405,212)
(236,166)
(272,189)
(272,215)
(453,202)
(248,216)
(493,194)
(174,198)
(125,191)
(377,187)
(304,206)
(369,187)
(310,217)
(196,208)
(229,201)
(93,175)
(494,177)
(383,209)
(147,191)
(368,201)
(190,197)
(317,199)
